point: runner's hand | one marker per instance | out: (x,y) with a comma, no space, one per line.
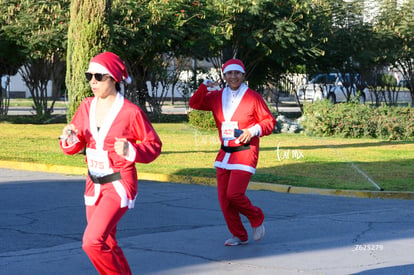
(246,137)
(69,134)
(121,146)
(68,130)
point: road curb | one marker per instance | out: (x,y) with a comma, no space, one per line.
(71,170)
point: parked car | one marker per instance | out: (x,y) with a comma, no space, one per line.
(330,86)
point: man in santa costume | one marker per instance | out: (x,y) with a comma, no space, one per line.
(241,117)
(117,134)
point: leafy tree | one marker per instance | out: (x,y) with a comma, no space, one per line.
(151,35)
(402,26)
(194,37)
(344,47)
(366,48)
(12,57)
(89,34)
(380,45)
(40,28)
(139,41)
(270,37)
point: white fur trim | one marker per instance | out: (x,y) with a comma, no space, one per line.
(207,81)
(228,107)
(120,190)
(223,165)
(131,153)
(98,68)
(125,201)
(256,130)
(112,114)
(233,67)
(90,200)
(211,89)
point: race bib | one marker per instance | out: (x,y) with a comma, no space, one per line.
(227,129)
(98,162)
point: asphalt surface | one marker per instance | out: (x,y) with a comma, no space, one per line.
(178,229)
(287,106)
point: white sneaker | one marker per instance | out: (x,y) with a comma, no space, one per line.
(258,232)
(234,241)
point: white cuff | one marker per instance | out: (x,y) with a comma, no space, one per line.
(207,81)
(256,130)
(210,89)
(131,153)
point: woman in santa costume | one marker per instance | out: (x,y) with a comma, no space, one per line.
(109,126)
(236,108)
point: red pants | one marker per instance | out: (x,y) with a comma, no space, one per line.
(99,241)
(231,187)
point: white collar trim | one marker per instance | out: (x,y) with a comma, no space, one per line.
(100,135)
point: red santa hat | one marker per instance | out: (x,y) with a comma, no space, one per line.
(233,65)
(109,63)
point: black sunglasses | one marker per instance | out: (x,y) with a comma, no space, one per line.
(97,76)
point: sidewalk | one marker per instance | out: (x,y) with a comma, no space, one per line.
(286,106)
(178,229)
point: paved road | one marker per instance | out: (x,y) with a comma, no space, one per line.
(178,229)
(13,111)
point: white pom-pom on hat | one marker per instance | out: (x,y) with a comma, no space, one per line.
(128,80)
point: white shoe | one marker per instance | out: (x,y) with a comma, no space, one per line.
(258,232)
(234,241)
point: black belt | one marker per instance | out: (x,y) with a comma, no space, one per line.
(105,179)
(229,149)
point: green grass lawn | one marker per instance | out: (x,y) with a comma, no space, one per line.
(291,159)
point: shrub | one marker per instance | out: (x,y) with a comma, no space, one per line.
(358,120)
(202,119)
(167,118)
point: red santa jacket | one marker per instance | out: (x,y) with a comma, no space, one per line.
(124,120)
(246,110)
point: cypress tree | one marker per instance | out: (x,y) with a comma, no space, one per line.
(89,34)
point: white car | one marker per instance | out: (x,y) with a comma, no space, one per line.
(331,87)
